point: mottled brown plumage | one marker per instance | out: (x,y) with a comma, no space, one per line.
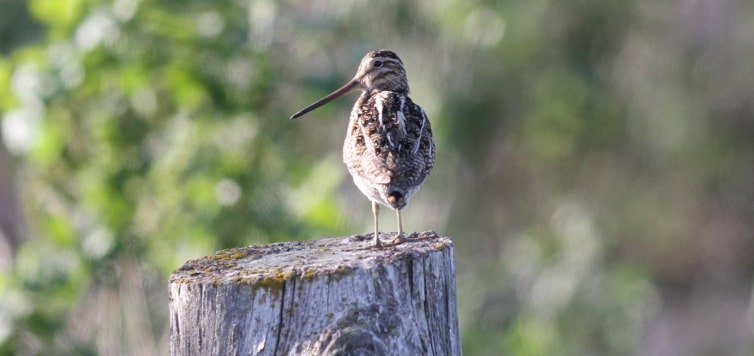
(389,149)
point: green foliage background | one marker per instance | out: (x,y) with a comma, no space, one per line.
(595,161)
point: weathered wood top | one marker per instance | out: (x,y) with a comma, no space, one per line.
(318,297)
(270,265)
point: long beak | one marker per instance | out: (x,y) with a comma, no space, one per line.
(330,97)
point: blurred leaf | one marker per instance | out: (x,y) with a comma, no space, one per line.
(59,16)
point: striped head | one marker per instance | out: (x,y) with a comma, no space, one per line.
(379,70)
(382,70)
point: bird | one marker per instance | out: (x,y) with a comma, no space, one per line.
(389,149)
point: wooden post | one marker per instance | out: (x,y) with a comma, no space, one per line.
(331,296)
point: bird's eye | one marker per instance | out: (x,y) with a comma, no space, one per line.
(377,64)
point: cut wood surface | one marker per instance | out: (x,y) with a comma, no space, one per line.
(331,296)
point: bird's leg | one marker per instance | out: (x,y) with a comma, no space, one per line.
(376,212)
(399,237)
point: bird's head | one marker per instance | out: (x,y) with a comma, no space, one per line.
(382,70)
(379,70)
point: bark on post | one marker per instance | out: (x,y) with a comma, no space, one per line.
(331,296)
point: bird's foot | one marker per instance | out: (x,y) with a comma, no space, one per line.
(377,241)
(402,237)
(397,240)
(412,237)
